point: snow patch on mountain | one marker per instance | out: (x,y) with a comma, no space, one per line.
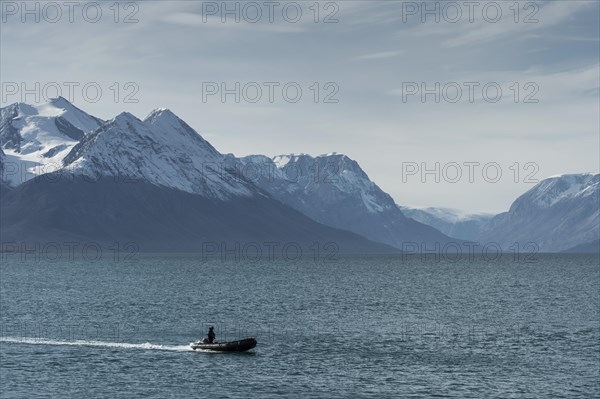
(451,215)
(559,188)
(452,222)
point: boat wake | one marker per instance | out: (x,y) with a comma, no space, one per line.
(104,344)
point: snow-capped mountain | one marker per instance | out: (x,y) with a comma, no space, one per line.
(156,183)
(556,189)
(161,150)
(452,222)
(334,190)
(559,213)
(35,139)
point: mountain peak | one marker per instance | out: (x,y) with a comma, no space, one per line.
(60,102)
(161,113)
(165,120)
(283,159)
(126,116)
(570,175)
(61,107)
(332,154)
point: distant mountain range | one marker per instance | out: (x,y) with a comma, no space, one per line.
(67,175)
(560,213)
(451,222)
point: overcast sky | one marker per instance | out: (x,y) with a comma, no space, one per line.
(373,61)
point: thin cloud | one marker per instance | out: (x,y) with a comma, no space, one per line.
(381,55)
(198,20)
(558,87)
(551,14)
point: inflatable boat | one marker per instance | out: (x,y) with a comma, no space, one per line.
(231,346)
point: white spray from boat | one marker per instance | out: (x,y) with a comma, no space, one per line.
(103,344)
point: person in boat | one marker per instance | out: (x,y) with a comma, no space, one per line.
(211,335)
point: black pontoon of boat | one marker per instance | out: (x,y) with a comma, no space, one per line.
(231,346)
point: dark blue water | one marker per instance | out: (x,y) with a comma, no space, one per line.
(355,327)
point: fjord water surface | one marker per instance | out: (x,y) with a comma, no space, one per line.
(354,326)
